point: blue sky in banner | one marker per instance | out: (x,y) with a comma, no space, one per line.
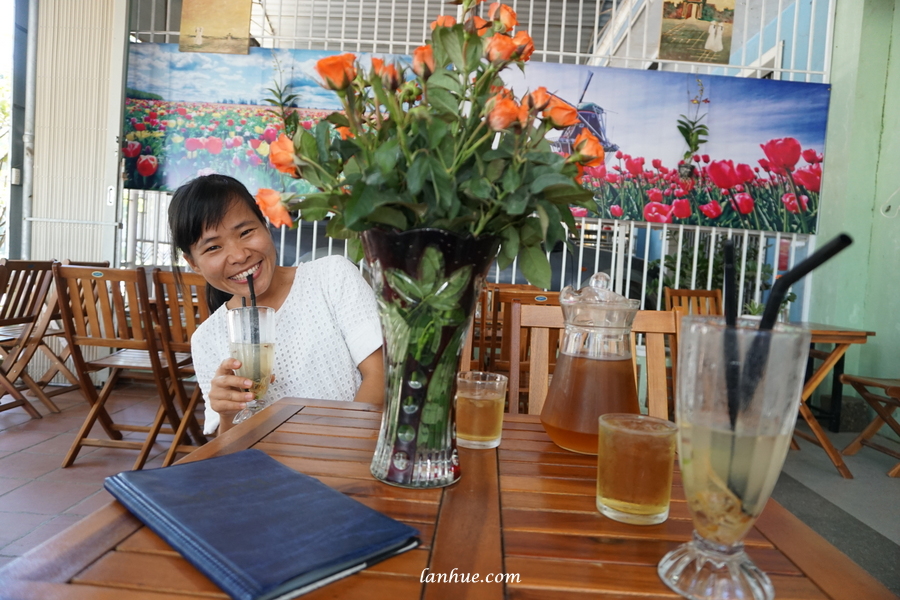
(643,107)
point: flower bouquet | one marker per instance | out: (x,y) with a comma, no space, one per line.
(437,168)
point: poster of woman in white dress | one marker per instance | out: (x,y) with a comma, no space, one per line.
(697,30)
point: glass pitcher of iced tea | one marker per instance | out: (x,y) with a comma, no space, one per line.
(594,373)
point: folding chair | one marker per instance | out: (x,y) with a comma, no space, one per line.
(109,309)
(694,302)
(58,358)
(180,308)
(884,407)
(25,286)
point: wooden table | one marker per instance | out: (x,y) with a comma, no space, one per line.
(842,338)
(526,510)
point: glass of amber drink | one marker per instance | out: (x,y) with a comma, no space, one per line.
(480,398)
(737,397)
(635,460)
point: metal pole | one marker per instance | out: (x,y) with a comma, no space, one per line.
(28,135)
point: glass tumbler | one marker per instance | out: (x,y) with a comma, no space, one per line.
(251,340)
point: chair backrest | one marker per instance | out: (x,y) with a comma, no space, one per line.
(541,320)
(24,285)
(105,307)
(103,264)
(656,326)
(694,302)
(180,307)
(501,299)
(538,320)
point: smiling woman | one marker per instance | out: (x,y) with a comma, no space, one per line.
(328,337)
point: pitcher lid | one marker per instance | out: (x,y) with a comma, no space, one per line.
(597,305)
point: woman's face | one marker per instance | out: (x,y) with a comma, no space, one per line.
(239,246)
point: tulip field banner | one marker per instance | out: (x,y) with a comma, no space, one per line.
(680,148)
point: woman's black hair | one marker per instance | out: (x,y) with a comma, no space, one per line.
(200,204)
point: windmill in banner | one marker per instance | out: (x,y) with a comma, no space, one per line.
(590,115)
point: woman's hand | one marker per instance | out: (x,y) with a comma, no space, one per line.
(228,393)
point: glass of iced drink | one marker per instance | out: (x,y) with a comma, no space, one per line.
(635,460)
(737,398)
(480,398)
(251,339)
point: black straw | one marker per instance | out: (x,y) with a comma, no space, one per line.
(254,326)
(732,361)
(252,293)
(758,354)
(781,286)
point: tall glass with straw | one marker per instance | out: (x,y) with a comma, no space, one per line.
(251,337)
(737,397)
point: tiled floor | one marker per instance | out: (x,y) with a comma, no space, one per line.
(39,499)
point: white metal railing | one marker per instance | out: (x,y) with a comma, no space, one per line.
(641,258)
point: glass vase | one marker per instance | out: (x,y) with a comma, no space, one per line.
(426,282)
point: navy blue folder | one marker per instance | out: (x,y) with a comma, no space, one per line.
(257,528)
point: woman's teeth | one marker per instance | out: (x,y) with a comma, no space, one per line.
(243,276)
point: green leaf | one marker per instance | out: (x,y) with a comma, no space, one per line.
(544,220)
(405,286)
(480,188)
(474,51)
(306,145)
(418,171)
(337,119)
(387,155)
(431,268)
(512,180)
(337,230)
(443,101)
(535,266)
(450,40)
(359,206)
(389,216)
(447,81)
(530,232)
(448,294)
(550,179)
(494,170)
(509,247)
(568,194)
(323,141)
(517,202)
(437,131)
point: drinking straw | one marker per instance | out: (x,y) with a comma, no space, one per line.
(732,362)
(758,354)
(254,326)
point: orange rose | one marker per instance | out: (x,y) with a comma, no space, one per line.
(269,202)
(590,149)
(337,71)
(560,114)
(504,14)
(524,114)
(344,131)
(524,45)
(377,66)
(423,61)
(501,48)
(281,155)
(443,21)
(476,24)
(390,78)
(503,113)
(538,99)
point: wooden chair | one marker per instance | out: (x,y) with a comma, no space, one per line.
(498,329)
(654,325)
(180,308)
(694,302)
(25,286)
(658,327)
(109,309)
(884,407)
(58,358)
